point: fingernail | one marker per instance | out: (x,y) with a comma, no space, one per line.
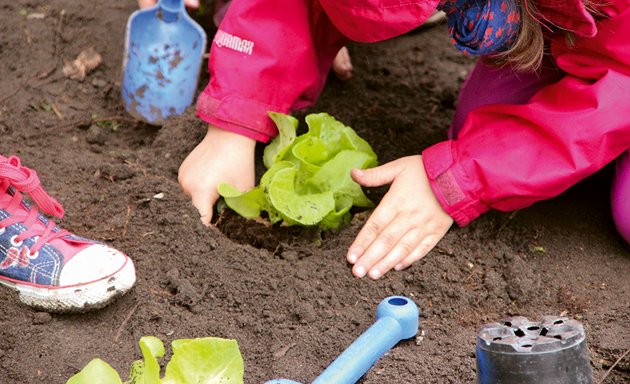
(398,267)
(352,258)
(359,172)
(375,274)
(359,272)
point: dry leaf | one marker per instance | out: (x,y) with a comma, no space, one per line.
(85,63)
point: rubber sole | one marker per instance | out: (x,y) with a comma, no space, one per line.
(76,298)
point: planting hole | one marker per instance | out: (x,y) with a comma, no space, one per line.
(526,345)
(519,332)
(497,338)
(558,337)
(543,332)
(533,328)
(558,322)
(508,324)
(398,301)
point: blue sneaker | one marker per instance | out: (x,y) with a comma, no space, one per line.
(52,269)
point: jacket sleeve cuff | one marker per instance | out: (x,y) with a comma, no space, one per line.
(243,116)
(448,181)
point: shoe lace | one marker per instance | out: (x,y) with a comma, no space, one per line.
(16,179)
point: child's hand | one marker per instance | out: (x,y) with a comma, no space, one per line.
(221,157)
(405,226)
(149,3)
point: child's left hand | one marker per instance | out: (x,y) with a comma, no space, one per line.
(405,226)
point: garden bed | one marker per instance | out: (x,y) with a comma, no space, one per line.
(286,295)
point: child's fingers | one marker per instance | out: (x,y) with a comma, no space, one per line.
(378,220)
(342,65)
(405,246)
(421,251)
(149,3)
(205,205)
(375,177)
(194,4)
(384,241)
(146,3)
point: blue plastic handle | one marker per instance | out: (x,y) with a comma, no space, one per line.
(164,50)
(396,320)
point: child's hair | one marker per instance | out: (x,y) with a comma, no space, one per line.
(528,50)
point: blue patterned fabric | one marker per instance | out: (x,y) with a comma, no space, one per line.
(18,263)
(33,249)
(482,27)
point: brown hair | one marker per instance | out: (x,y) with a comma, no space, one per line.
(528,50)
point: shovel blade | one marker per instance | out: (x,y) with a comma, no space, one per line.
(163,55)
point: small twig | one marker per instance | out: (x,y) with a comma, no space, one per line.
(613,366)
(124,230)
(58,33)
(94,120)
(46,73)
(123,325)
(220,217)
(161,292)
(283,351)
(74,367)
(56,110)
(505,223)
(442,251)
(29,36)
(10,95)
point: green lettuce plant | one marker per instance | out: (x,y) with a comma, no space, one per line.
(307,181)
(207,360)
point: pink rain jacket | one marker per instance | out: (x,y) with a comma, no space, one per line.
(274,55)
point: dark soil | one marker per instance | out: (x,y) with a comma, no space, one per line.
(286,295)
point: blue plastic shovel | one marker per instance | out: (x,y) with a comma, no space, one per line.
(164,50)
(396,320)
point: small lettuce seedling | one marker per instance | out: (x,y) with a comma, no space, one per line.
(205,360)
(307,181)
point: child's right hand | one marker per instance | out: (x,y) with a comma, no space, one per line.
(221,157)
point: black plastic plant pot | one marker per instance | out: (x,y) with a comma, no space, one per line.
(519,351)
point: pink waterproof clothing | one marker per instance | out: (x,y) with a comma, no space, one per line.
(272,55)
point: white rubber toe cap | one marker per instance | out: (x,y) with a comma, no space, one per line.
(91,279)
(94,263)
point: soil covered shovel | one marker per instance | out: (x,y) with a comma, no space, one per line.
(164,50)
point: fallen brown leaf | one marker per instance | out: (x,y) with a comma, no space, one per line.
(85,63)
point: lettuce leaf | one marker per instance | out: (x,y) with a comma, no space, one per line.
(96,372)
(287,126)
(205,360)
(307,181)
(147,371)
(192,357)
(305,209)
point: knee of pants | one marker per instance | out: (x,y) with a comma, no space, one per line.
(488,84)
(620,196)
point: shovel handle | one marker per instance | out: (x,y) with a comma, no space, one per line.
(170,9)
(396,320)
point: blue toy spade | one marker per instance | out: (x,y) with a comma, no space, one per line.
(396,320)
(164,50)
